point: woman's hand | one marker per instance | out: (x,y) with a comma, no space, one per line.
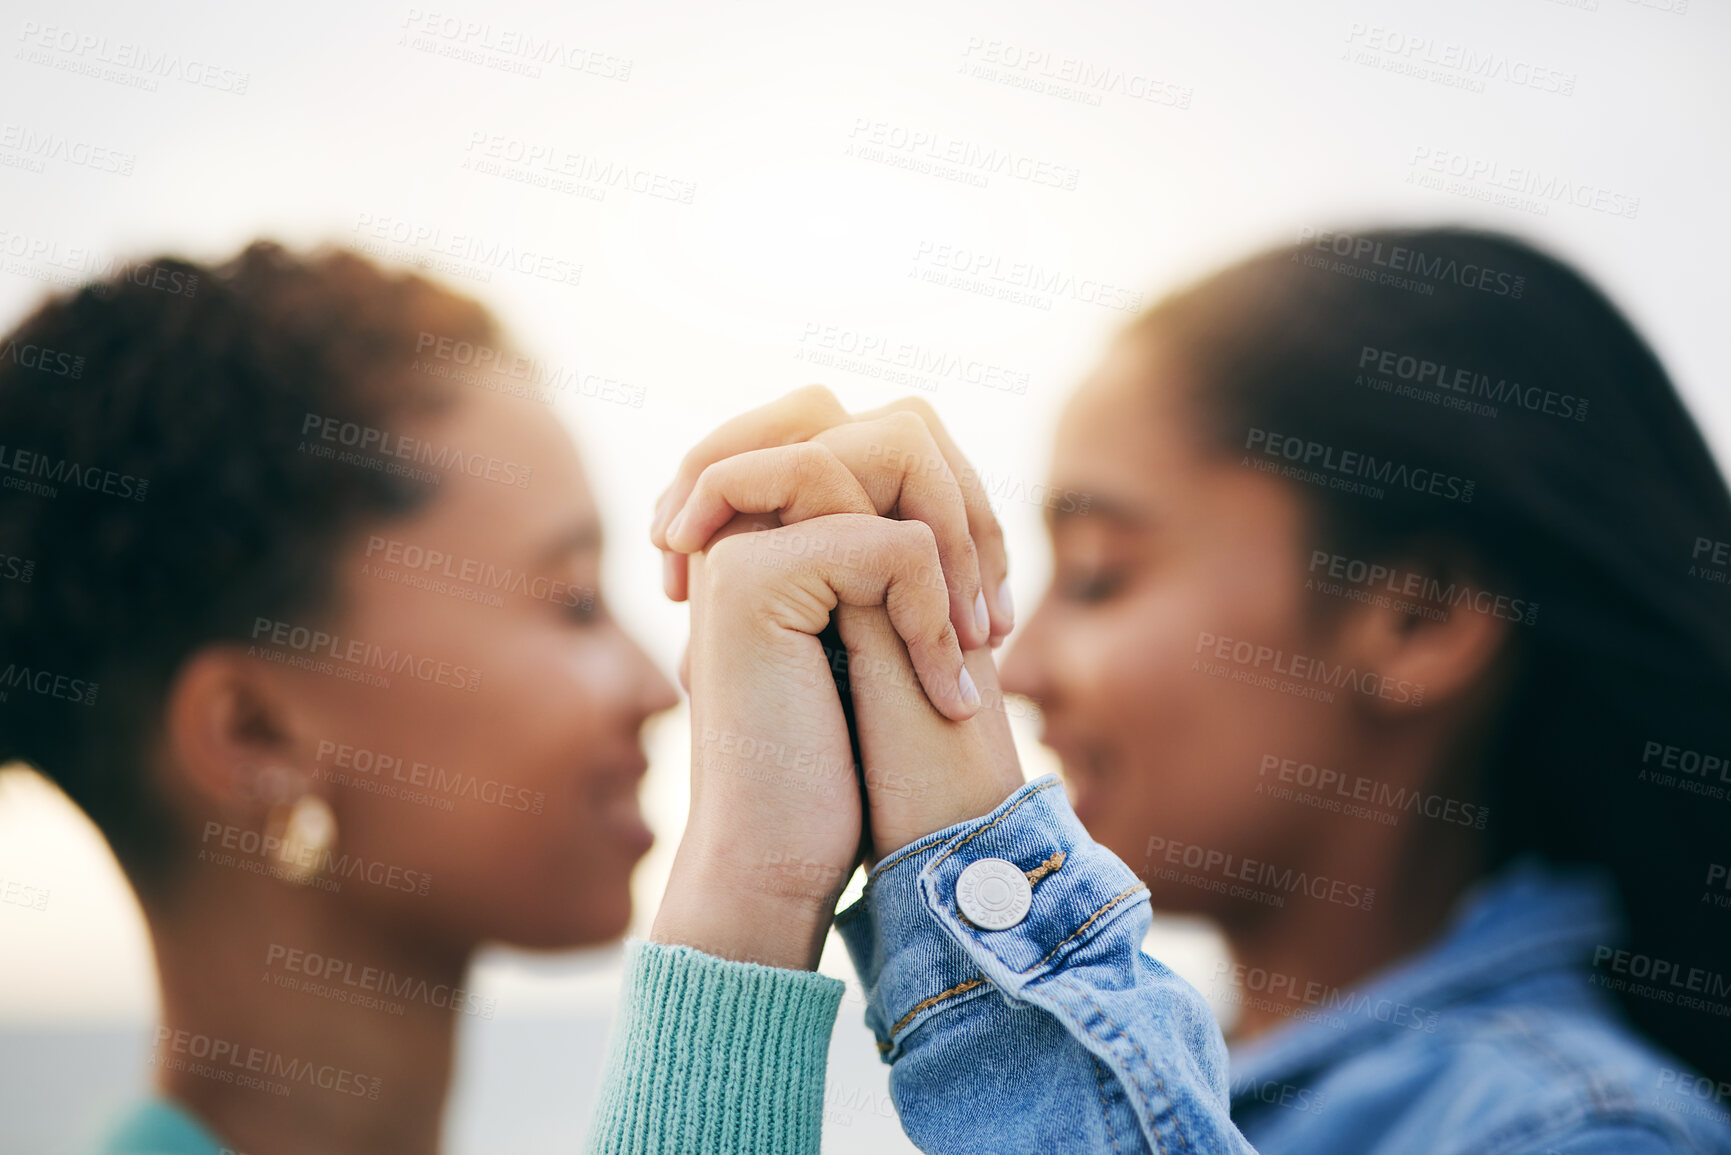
(774,830)
(904,459)
(923,771)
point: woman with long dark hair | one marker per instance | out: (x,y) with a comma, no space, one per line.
(1537,571)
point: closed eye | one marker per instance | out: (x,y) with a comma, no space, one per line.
(1092,586)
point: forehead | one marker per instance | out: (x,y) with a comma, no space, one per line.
(1124,428)
(505,467)
(1130,439)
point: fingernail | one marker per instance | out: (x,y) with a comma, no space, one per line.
(982,620)
(661,512)
(667,573)
(970,692)
(674,526)
(1007,604)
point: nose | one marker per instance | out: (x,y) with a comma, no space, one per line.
(655,694)
(1021,666)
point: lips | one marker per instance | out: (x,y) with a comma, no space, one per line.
(1082,771)
(615,805)
(622,818)
(634,767)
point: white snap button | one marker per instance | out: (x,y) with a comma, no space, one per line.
(994,894)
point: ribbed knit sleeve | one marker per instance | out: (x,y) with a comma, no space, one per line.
(709,1055)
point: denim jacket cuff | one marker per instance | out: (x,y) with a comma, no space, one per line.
(919,956)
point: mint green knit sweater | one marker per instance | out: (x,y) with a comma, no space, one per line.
(710,1055)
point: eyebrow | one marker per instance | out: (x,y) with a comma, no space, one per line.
(1112,509)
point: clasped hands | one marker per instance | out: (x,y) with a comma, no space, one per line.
(782,521)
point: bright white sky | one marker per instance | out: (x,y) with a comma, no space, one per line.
(1266,120)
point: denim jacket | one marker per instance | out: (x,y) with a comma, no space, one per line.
(1503,1037)
(1059,1034)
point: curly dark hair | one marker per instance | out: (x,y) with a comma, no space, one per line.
(156,496)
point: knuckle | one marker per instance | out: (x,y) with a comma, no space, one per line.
(928,633)
(817,399)
(987,531)
(905,424)
(918,539)
(727,558)
(967,559)
(695,461)
(738,577)
(920,408)
(920,456)
(707,482)
(943,637)
(811,461)
(982,519)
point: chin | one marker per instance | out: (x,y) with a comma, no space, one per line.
(591,917)
(605,915)
(606,925)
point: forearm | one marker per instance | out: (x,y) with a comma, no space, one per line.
(743,910)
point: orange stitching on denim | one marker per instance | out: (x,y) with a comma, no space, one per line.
(1049,866)
(1030,794)
(1105,1111)
(959,988)
(1178,1122)
(883,867)
(909,853)
(1112,902)
(916,848)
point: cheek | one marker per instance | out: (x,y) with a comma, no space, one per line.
(539,709)
(484,790)
(481,787)
(514,857)
(601,670)
(1182,740)
(1159,666)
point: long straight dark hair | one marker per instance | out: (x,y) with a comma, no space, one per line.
(1576,482)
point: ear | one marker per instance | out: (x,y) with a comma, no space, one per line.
(1442,643)
(227,732)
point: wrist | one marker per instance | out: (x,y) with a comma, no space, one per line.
(962,803)
(710,908)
